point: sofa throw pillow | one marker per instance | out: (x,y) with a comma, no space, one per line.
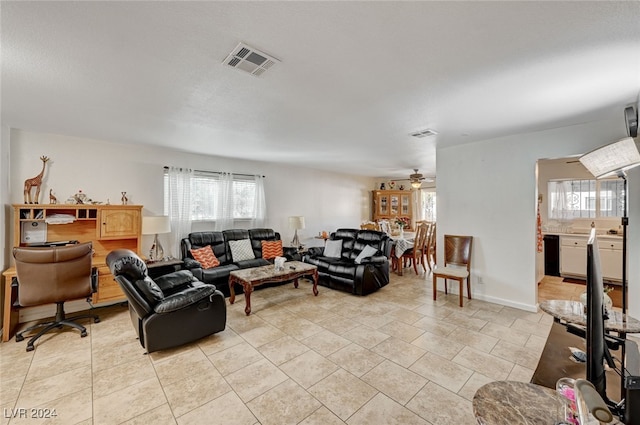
(272,249)
(205,257)
(333,248)
(368,251)
(241,250)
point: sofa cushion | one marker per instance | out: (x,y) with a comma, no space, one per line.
(205,257)
(214,239)
(333,248)
(253,262)
(343,268)
(368,251)
(220,272)
(271,249)
(241,250)
(321,262)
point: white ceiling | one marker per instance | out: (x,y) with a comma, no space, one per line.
(355,78)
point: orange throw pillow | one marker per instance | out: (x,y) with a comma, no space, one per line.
(272,249)
(205,257)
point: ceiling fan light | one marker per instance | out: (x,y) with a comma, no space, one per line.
(416,184)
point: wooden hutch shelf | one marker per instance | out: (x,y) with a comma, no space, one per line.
(391,204)
(108,227)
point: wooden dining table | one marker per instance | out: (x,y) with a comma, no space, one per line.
(401,243)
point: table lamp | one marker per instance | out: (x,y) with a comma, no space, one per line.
(155,226)
(296,222)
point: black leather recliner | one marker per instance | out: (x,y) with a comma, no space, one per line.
(171,310)
(344,273)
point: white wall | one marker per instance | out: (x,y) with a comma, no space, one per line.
(488,190)
(102,170)
(4,211)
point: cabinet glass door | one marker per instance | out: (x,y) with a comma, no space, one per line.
(394,204)
(405,205)
(383,205)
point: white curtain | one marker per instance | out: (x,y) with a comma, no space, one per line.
(559,208)
(260,205)
(224,206)
(179,188)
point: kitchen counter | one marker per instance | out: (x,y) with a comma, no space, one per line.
(586,235)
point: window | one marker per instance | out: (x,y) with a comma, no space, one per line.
(209,202)
(569,199)
(428,205)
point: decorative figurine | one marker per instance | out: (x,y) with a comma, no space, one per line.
(124,198)
(401,187)
(392,185)
(382,186)
(34,182)
(52,197)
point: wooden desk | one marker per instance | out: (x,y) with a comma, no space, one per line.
(9,314)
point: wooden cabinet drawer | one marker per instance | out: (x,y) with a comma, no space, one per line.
(580,242)
(108,289)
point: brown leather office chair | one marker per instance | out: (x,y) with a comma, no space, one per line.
(54,275)
(457,264)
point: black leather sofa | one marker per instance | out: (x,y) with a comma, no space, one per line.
(171,310)
(344,273)
(219,242)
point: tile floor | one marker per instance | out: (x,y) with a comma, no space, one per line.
(393,357)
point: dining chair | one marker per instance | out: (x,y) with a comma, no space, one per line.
(430,249)
(457,264)
(384,226)
(416,255)
(370,225)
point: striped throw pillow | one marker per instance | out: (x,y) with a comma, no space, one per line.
(205,257)
(271,249)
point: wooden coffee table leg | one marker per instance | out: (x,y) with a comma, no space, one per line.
(315,282)
(248,288)
(232,291)
(295,283)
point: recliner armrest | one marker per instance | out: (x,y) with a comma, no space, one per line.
(376,259)
(175,280)
(315,250)
(189,263)
(184,298)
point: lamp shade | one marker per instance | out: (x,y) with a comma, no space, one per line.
(612,159)
(416,184)
(156,225)
(296,222)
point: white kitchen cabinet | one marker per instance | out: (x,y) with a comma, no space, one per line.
(611,259)
(573,257)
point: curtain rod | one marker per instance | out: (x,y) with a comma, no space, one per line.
(221,172)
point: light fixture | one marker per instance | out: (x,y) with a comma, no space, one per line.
(416,184)
(155,226)
(612,159)
(296,222)
(609,160)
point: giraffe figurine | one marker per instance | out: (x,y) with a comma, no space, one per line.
(52,197)
(34,182)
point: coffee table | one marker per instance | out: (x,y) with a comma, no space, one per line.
(256,276)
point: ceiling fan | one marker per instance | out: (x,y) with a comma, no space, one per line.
(416,179)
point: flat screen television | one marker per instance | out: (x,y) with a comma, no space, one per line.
(597,350)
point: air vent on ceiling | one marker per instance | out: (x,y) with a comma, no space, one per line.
(424,133)
(248,59)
